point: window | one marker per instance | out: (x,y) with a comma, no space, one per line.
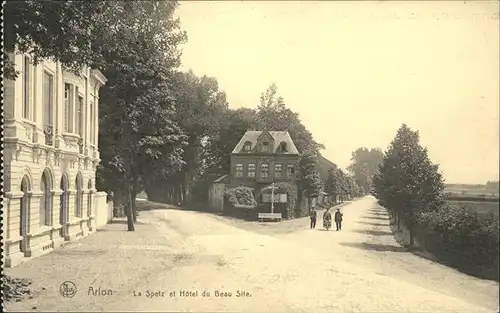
(48,98)
(92,122)
(264,170)
(247,147)
(278,169)
(27,88)
(239,170)
(251,170)
(290,170)
(68,108)
(282,148)
(265,147)
(45,202)
(79,116)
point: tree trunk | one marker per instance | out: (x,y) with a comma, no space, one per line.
(391,217)
(398,218)
(130,218)
(133,196)
(184,190)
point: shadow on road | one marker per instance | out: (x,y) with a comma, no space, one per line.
(373,232)
(372,224)
(375,218)
(374,247)
(377,210)
(151,206)
(378,213)
(124,222)
(117,221)
(109,230)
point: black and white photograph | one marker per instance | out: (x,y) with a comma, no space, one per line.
(250,156)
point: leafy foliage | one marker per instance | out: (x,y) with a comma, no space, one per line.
(58,30)
(240,196)
(364,165)
(139,138)
(339,183)
(309,179)
(408,182)
(469,239)
(291,192)
(272,114)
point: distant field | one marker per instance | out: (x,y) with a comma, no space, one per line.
(471,192)
(480,206)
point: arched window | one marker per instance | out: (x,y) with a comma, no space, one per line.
(24,214)
(247,147)
(63,209)
(78,198)
(46,201)
(282,147)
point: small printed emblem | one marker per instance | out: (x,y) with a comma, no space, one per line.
(68,289)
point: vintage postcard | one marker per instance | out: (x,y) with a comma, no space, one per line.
(250,156)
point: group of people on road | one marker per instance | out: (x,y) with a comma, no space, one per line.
(327,219)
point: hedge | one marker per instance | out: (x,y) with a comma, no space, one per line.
(240,202)
(240,195)
(467,239)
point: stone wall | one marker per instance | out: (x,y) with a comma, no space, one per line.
(104,209)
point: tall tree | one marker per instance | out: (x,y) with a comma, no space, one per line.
(408,182)
(136,113)
(343,184)
(332,184)
(199,106)
(364,165)
(232,126)
(309,180)
(59,30)
(273,114)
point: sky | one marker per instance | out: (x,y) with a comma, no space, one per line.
(355,71)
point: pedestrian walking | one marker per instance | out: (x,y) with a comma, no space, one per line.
(338,219)
(327,219)
(313,217)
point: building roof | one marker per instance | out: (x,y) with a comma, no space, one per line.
(222,179)
(324,166)
(278,136)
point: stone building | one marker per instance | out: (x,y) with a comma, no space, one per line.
(50,157)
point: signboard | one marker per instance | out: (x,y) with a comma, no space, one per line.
(278,198)
(266,197)
(270,215)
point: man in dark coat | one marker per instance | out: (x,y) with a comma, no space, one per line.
(313,217)
(338,220)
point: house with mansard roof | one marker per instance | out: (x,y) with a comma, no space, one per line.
(263,157)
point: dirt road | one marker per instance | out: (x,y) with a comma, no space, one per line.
(190,261)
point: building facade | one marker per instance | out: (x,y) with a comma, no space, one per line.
(263,157)
(50,157)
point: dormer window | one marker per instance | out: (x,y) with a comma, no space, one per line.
(265,147)
(282,147)
(247,147)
